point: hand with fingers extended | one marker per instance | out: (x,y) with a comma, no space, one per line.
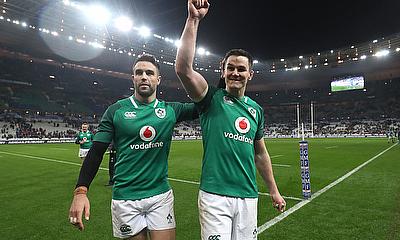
(198,8)
(278,202)
(80,205)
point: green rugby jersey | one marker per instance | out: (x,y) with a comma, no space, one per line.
(229,128)
(87,136)
(142,136)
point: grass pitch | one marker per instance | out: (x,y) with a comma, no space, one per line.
(37,182)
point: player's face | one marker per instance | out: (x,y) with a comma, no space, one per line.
(145,78)
(84,128)
(237,72)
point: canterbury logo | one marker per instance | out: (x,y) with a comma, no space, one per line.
(214,237)
(130,115)
(125,229)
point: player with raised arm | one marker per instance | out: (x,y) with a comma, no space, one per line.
(232,128)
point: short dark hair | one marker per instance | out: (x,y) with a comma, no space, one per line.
(147,58)
(233,52)
(237,52)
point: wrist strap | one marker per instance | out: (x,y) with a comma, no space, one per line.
(80,190)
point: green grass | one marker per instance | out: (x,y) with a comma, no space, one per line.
(36,191)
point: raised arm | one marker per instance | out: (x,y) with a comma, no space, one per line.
(264,167)
(193,82)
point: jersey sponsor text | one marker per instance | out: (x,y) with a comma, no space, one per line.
(143,146)
(238,137)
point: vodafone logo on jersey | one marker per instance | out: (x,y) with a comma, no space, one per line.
(242,124)
(147,133)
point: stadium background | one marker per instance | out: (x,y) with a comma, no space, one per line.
(51,80)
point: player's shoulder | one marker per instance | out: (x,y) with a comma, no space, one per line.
(119,104)
(170,105)
(252,103)
(122,102)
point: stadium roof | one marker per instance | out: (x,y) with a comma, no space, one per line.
(350,31)
(268,29)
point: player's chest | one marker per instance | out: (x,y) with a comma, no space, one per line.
(133,121)
(84,135)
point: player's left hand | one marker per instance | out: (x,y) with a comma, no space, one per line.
(278,202)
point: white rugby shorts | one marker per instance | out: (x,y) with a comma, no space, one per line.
(83,152)
(227,218)
(129,217)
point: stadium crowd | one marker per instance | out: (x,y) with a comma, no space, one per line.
(42,98)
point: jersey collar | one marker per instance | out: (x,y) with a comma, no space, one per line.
(244,99)
(154,103)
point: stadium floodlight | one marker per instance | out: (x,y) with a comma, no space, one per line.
(255,61)
(24,24)
(363,57)
(397,49)
(382,53)
(66,2)
(97,45)
(123,23)
(80,40)
(144,31)
(178,43)
(98,14)
(201,51)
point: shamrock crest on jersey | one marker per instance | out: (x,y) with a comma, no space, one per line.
(160,112)
(252,111)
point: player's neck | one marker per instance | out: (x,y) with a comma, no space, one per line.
(142,99)
(239,93)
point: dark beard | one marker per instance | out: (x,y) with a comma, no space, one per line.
(146,93)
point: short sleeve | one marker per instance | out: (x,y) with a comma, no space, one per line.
(204,104)
(105,131)
(184,111)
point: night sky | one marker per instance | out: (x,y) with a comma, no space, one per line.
(272,29)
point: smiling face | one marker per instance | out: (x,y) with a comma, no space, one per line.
(145,78)
(85,127)
(237,73)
